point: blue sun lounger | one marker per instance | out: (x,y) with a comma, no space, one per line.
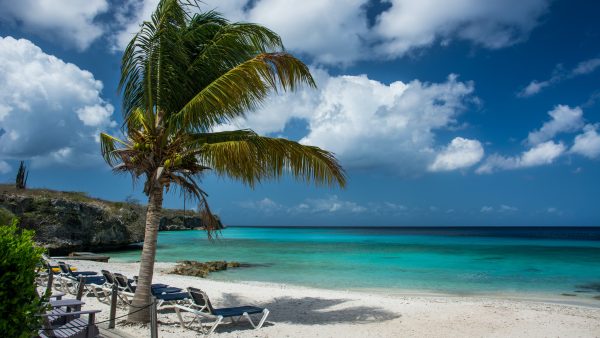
(201,307)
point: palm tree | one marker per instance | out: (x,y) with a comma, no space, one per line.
(182,75)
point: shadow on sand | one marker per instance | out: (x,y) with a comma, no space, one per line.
(303,311)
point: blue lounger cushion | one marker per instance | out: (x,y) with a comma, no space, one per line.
(99,280)
(84,273)
(159,286)
(237,311)
(172,296)
(156,291)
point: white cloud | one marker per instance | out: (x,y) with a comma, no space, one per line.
(5,168)
(503,208)
(559,75)
(338,32)
(52,109)
(367,123)
(265,205)
(534,87)
(410,24)
(587,143)
(586,67)
(330,204)
(563,119)
(460,153)
(507,208)
(331,31)
(73,22)
(540,154)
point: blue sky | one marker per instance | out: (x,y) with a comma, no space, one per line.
(461,112)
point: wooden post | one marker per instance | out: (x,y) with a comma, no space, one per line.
(113,306)
(80,287)
(50,280)
(153,319)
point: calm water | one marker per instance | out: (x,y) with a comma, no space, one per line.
(455,260)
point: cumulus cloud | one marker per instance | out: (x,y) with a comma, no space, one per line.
(335,32)
(559,75)
(265,205)
(328,30)
(50,110)
(330,204)
(587,143)
(562,119)
(503,208)
(367,123)
(410,24)
(540,154)
(72,21)
(460,153)
(586,67)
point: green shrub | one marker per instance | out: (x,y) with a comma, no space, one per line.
(19,301)
(6,216)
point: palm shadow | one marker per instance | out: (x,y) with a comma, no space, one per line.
(302,311)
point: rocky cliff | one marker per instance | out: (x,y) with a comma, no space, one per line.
(71,221)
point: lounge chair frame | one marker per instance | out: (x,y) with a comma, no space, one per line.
(203,309)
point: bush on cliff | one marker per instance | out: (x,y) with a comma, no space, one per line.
(19,301)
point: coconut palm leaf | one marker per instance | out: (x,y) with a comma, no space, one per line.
(242,89)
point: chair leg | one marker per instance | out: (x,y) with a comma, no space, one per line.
(261,322)
(214,326)
(189,324)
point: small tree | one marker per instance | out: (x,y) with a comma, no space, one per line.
(22,175)
(19,301)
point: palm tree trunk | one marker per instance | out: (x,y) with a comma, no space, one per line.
(142,291)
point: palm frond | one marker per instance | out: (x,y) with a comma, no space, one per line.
(241,89)
(250,158)
(108,148)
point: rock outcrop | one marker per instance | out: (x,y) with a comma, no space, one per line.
(201,269)
(72,221)
(64,224)
(179,220)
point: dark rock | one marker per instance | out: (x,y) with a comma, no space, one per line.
(177,220)
(201,269)
(568,294)
(63,225)
(72,221)
(590,286)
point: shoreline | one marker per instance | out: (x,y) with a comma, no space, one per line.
(554,297)
(306,311)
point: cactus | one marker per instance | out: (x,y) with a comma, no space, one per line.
(22,175)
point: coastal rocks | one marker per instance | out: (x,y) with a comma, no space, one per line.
(201,269)
(64,224)
(173,220)
(72,221)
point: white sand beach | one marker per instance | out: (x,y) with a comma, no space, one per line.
(308,312)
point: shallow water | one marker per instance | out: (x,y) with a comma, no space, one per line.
(449,260)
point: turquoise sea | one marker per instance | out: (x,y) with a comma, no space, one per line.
(447,260)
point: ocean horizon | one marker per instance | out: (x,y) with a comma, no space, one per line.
(547,261)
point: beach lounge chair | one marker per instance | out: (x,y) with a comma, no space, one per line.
(125,284)
(164,294)
(70,280)
(200,307)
